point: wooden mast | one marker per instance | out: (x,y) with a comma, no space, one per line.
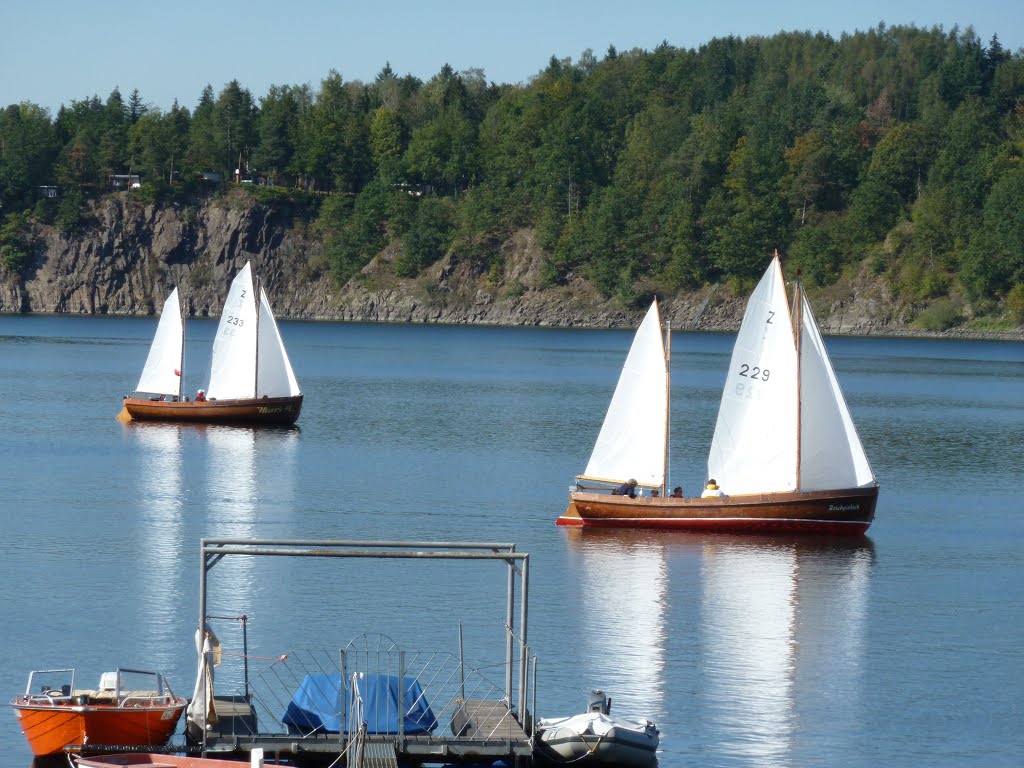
(181,358)
(668,403)
(797,314)
(256,369)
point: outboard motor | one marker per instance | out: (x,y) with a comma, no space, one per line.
(599,703)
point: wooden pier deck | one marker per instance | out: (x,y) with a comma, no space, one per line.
(480,728)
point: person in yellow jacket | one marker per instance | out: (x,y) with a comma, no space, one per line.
(711,490)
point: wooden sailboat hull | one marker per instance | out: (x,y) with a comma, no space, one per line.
(51,727)
(266,410)
(156,760)
(829,512)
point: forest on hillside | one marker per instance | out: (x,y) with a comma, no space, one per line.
(899,150)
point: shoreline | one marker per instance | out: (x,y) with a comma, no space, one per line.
(861,332)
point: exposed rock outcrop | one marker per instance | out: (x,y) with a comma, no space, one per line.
(131,255)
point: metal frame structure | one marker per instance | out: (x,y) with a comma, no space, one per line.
(213,550)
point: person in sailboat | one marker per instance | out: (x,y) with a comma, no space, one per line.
(711,490)
(200,396)
(628,488)
(677,492)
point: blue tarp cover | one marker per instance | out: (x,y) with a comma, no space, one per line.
(316,705)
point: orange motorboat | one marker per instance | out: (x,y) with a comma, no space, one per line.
(130,708)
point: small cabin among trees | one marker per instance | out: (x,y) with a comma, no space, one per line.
(125,181)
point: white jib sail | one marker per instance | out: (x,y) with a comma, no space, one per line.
(162,373)
(631,444)
(275,377)
(233,368)
(831,454)
(754,449)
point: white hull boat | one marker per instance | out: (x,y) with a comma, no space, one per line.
(597,738)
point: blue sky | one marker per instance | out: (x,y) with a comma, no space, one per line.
(57,51)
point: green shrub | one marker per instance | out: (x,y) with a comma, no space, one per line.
(72,215)
(46,210)
(13,258)
(427,239)
(940,316)
(1015,304)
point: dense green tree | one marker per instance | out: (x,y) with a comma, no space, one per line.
(442,153)
(136,107)
(234,128)
(276,127)
(202,155)
(387,143)
(428,237)
(27,152)
(642,172)
(320,144)
(995,259)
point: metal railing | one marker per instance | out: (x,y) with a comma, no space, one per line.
(434,687)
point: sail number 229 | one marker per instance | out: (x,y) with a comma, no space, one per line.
(754,372)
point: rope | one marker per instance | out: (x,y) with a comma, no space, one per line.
(282,657)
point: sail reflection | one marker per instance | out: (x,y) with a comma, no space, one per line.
(233,493)
(250,487)
(623,582)
(162,499)
(783,623)
(231,486)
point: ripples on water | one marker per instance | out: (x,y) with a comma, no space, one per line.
(894,649)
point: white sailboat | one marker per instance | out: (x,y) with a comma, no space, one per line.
(161,374)
(251,377)
(785,449)
(634,435)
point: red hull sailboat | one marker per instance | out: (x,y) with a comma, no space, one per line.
(251,377)
(785,451)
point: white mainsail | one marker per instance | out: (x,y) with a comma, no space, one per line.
(275,377)
(631,444)
(233,369)
(754,449)
(831,454)
(162,373)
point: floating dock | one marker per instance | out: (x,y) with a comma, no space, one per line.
(341,706)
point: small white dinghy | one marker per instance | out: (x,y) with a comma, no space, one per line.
(596,738)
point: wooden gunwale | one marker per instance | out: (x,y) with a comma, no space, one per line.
(839,511)
(269,410)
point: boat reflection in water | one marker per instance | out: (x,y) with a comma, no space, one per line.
(250,469)
(624,598)
(162,498)
(776,626)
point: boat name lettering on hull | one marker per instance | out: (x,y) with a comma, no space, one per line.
(843,507)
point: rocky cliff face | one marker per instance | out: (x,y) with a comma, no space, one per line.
(132,255)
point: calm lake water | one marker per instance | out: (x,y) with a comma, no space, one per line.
(899,649)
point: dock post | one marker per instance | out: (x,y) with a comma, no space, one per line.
(345,695)
(401,700)
(523,638)
(462,666)
(510,623)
